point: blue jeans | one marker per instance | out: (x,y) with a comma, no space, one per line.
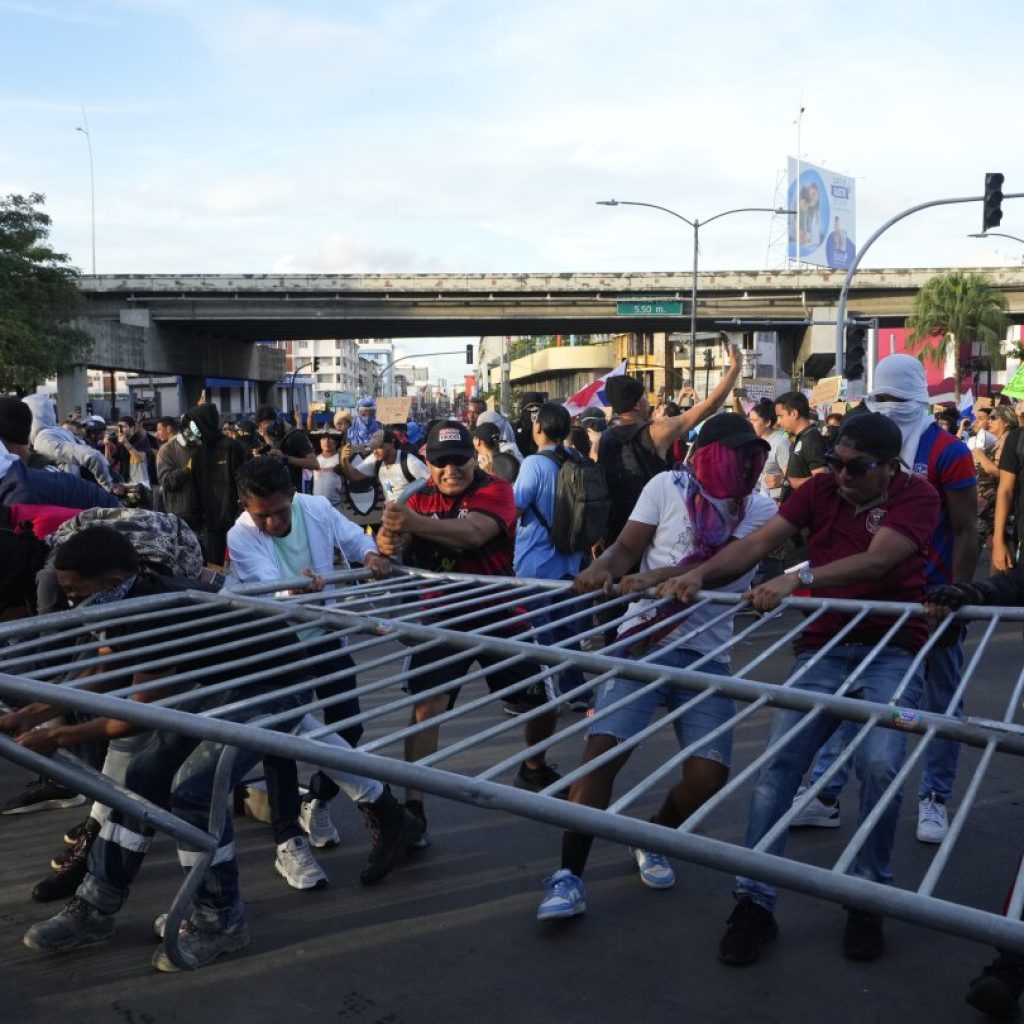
(941,678)
(690,727)
(177,772)
(877,760)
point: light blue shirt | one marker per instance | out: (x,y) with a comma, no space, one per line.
(536,556)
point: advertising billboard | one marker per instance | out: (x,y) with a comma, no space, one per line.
(823,229)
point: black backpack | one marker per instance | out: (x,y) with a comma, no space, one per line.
(582,503)
(628,464)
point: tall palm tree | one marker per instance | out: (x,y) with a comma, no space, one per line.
(953,311)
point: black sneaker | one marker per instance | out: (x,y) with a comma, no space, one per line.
(71,839)
(536,779)
(997,990)
(517,707)
(393,830)
(58,860)
(750,928)
(42,795)
(72,834)
(62,884)
(863,938)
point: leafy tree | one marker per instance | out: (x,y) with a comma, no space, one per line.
(952,312)
(38,299)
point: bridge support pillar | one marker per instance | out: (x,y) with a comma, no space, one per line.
(72,390)
(266,390)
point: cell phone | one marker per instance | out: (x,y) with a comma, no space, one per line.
(739,392)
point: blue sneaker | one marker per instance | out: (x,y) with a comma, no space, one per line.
(655,870)
(566,896)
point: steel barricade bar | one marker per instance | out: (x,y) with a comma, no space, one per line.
(373,639)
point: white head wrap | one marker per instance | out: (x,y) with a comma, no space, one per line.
(903,377)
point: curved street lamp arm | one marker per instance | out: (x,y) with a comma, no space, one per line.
(997,234)
(746,209)
(844,291)
(652,206)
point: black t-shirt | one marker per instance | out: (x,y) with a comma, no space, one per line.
(1012,460)
(297,445)
(807,453)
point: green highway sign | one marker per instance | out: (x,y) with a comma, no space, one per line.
(648,307)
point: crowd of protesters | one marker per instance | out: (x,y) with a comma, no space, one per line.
(887,500)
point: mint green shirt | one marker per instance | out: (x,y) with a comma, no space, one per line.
(294,555)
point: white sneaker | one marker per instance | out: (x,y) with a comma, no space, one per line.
(655,870)
(296,864)
(817,814)
(315,821)
(932,820)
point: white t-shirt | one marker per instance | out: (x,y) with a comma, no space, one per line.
(392,478)
(326,482)
(661,505)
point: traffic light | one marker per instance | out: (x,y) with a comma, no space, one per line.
(316,363)
(992,212)
(469,355)
(853,357)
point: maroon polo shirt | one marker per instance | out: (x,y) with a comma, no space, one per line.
(838,530)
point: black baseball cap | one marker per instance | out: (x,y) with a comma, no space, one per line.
(593,417)
(873,434)
(449,438)
(730,429)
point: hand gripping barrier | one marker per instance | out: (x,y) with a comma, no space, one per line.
(381,623)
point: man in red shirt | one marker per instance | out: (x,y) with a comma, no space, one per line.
(869,524)
(463,521)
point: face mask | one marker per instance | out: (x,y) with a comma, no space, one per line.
(898,412)
(726,472)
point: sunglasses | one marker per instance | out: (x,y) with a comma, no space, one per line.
(450,460)
(854,469)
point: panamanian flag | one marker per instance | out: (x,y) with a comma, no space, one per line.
(593,394)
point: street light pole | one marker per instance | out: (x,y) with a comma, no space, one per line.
(92,184)
(696,225)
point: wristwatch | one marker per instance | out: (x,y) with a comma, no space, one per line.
(805,576)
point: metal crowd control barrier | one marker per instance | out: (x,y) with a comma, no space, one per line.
(56,658)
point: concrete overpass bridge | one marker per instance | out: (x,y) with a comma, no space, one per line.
(205,325)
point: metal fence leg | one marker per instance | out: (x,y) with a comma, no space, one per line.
(219,802)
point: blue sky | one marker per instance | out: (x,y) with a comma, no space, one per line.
(455,136)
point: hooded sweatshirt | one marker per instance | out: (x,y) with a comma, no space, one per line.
(70,453)
(215,462)
(20,485)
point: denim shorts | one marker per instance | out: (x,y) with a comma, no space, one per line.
(690,727)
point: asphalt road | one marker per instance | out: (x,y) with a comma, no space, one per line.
(452,936)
